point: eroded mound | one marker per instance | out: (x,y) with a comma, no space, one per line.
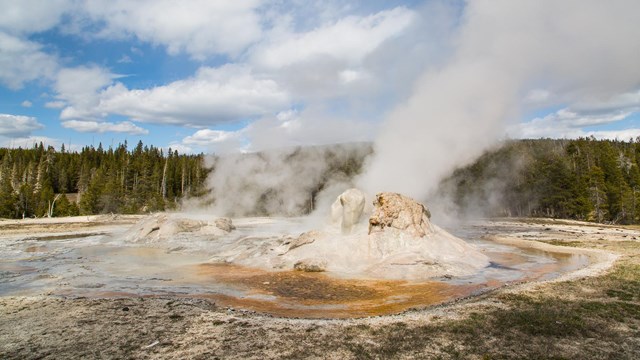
(162,227)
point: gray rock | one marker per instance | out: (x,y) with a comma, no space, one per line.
(304,239)
(225,224)
(311,265)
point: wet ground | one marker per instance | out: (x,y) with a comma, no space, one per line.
(98,264)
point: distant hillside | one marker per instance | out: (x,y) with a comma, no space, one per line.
(584,179)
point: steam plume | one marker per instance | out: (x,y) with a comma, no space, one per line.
(285,182)
(576,50)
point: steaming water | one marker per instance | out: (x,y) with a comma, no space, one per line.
(102,265)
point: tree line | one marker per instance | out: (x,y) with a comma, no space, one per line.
(582,179)
(42,181)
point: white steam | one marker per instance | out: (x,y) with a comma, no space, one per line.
(284,182)
(576,50)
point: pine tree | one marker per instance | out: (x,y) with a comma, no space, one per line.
(8,199)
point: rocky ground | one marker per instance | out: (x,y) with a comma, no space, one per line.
(595,314)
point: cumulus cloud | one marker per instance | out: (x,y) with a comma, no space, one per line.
(126,127)
(29,141)
(564,123)
(198,27)
(363,60)
(213,96)
(180,148)
(206,137)
(302,60)
(218,141)
(78,88)
(349,39)
(26,104)
(23,61)
(30,16)
(55,104)
(18,125)
(568,122)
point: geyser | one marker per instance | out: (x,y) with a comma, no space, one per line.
(397,242)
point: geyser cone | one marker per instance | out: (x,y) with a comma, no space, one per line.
(397,242)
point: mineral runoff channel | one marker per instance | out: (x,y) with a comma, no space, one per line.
(86,257)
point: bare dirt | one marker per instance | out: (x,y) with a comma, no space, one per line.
(594,313)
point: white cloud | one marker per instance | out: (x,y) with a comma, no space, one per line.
(563,124)
(18,125)
(103,127)
(23,61)
(568,122)
(55,104)
(181,148)
(623,135)
(206,137)
(198,27)
(30,16)
(28,142)
(125,59)
(212,96)
(307,58)
(26,104)
(78,88)
(349,39)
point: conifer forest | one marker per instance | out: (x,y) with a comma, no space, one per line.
(43,181)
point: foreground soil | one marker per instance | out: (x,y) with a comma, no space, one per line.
(596,315)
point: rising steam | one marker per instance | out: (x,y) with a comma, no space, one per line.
(574,50)
(283,182)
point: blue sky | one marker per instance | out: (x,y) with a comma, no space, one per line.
(218,76)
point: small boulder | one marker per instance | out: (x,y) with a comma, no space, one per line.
(396,211)
(224,224)
(311,265)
